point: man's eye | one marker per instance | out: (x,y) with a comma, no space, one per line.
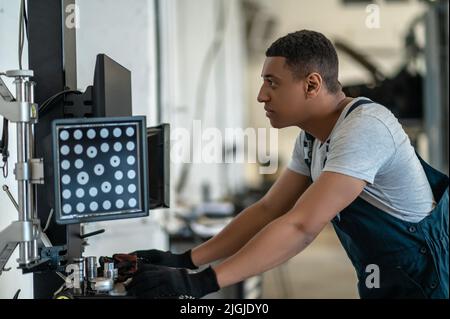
(271,83)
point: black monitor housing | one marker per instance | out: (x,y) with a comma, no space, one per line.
(112,88)
(109,96)
(158,140)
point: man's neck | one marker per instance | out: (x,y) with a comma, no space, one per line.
(323,123)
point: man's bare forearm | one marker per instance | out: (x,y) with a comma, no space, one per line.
(273,245)
(294,231)
(234,236)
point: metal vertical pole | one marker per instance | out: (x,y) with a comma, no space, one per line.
(23,185)
(33,245)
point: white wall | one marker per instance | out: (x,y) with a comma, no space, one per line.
(13,280)
(188,31)
(124,30)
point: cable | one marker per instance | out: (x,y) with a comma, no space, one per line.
(4,147)
(52,99)
(4,153)
(49,218)
(23,29)
(25,17)
(16,295)
(21,32)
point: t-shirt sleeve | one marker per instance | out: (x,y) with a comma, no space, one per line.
(297,162)
(360,148)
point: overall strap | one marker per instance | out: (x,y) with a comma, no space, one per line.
(356,104)
(308,141)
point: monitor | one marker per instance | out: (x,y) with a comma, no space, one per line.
(111,95)
(100,169)
(158,140)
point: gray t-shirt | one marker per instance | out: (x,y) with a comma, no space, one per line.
(370,144)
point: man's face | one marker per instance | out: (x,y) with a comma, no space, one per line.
(283,96)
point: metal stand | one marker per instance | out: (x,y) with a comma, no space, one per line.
(28,171)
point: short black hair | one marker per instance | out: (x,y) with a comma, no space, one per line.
(306,52)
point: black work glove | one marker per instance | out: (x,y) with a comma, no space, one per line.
(152,281)
(166,258)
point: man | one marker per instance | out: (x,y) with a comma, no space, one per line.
(355,167)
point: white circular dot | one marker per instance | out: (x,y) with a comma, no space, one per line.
(132,202)
(91,134)
(131,160)
(117,146)
(65,165)
(78,134)
(91,152)
(130,131)
(106,187)
(79,164)
(93,191)
(99,169)
(130,146)
(119,203)
(67,209)
(78,149)
(118,175)
(106,204)
(131,188)
(104,147)
(79,193)
(119,189)
(83,178)
(115,161)
(93,206)
(66,194)
(64,135)
(65,179)
(131,174)
(104,133)
(65,150)
(80,207)
(117,132)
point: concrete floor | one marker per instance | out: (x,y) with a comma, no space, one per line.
(321,271)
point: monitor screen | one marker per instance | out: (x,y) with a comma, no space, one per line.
(100,169)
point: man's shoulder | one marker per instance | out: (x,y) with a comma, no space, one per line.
(368,125)
(371,109)
(370,116)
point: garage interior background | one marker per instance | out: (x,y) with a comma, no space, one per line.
(201,59)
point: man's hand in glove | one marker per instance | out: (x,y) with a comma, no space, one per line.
(166,258)
(126,264)
(152,281)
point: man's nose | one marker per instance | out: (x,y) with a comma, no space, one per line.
(262,96)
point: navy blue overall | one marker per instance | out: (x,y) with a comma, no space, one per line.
(412,258)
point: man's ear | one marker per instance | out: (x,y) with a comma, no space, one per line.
(313,84)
